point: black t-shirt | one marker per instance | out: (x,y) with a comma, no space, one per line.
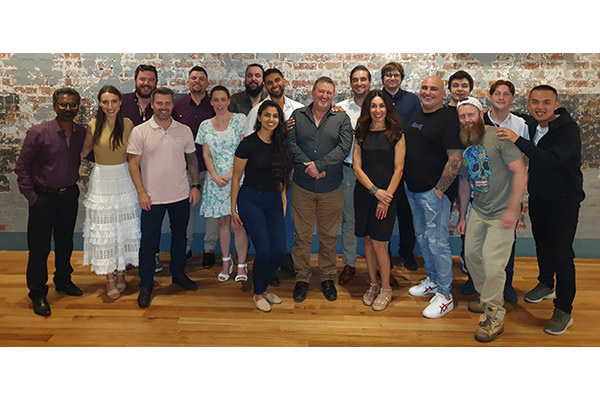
(259,169)
(428,136)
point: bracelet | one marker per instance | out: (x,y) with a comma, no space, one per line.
(373,190)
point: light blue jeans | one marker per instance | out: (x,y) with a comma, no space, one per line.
(431,217)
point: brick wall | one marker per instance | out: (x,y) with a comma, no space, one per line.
(28,80)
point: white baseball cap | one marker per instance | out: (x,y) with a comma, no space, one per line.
(472,101)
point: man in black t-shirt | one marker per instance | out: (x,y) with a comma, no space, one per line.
(433,157)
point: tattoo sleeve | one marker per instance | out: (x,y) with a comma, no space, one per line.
(193,169)
(450,170)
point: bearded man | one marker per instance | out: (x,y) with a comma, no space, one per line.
(495,172)
(242,102)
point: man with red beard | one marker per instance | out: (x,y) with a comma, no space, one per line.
(242,102)
(495,172)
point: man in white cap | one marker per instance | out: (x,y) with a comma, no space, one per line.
(495,172)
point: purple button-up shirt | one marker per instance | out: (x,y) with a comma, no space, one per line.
(191,114)
(131,109)
(47,160)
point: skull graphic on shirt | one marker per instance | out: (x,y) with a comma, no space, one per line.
(476,161)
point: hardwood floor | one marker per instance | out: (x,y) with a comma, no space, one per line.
(223,314)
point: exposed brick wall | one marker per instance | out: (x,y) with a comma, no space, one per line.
(28,80)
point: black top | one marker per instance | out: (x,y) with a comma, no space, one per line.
(428,137)
(377,155)
(259,169)
(555,163)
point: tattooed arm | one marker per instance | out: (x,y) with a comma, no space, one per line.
(450,171)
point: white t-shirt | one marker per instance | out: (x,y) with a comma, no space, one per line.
(289,106)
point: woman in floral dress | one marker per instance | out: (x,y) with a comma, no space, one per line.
(220,137)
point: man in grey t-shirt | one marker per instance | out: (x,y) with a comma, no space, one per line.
(495,172)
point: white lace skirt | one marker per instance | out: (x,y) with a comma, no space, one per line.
(111,230)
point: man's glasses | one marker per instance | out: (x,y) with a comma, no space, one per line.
(392,75)
(64,106)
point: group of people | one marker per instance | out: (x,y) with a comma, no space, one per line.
(270,168)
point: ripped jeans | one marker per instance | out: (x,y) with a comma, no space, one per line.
(430,219)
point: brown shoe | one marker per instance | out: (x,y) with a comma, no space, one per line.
(393,281)
(346,274)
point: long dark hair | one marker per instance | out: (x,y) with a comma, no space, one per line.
(392,120)
(282,157)
(116,136)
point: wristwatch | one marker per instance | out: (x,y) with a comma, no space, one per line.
(198,186)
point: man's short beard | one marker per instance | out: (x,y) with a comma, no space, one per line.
(472,134)
(254,92)
(143,96)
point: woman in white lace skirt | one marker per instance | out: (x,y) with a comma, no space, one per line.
(111,229)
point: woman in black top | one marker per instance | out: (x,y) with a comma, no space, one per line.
(265,158)
(378,162)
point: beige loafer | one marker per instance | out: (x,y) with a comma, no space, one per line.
(272,298)
(262,304)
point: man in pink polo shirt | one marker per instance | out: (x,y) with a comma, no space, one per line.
(159,151)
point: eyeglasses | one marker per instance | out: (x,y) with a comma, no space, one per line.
(392,75)
(72,106)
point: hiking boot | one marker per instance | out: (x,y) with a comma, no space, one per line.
(489,328)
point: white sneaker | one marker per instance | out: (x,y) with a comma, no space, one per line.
(158,265)
(438,306)
(423,288)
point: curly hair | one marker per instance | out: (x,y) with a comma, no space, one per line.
(392,120)
(282,156)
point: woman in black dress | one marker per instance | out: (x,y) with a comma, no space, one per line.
(378,161)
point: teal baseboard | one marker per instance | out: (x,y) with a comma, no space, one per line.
(583,247)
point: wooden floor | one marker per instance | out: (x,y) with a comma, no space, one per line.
(223,314)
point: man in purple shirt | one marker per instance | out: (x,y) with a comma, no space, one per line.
(47,172)
(136,105)
(191,110)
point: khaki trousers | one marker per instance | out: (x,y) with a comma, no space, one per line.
(326,210)
(487,250)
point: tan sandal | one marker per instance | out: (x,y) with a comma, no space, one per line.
(370,294)
(111,289)
(121,281)
(383,300)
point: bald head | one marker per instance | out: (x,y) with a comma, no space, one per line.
(432,94)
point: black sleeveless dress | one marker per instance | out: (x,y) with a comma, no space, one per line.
(377,154)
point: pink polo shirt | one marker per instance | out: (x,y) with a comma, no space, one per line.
(163,164)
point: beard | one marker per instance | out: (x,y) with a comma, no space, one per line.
(254,92)
(472,133)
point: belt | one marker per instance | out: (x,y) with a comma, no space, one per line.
(347,164)
(46,189)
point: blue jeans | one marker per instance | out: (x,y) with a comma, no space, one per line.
(430,219)
(151,222)
(262,216)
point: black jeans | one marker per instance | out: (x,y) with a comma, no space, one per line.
(406,228)
(151,223)
(553,225)
(53,216)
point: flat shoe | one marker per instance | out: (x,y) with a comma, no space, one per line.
(272,298)
(262,304)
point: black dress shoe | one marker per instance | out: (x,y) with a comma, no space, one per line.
(300,291)
(188,255)
(145,297)
(288,266)
(275,281)
(185,282)
(69,289)
(208,259)
(41,307)
(329,290)
(410,263)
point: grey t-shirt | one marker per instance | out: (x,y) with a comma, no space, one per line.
(486,167)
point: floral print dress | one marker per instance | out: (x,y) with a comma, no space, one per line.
(216,201)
